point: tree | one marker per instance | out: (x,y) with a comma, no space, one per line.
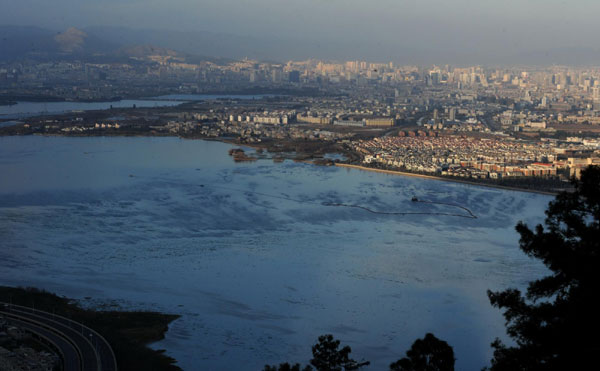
(287,367)
(327,356)
(556,325)
(427,354)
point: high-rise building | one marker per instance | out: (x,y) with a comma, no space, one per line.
(452,114)
(294,76)
(428,80)
(276,75)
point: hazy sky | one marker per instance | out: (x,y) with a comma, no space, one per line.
(469,26)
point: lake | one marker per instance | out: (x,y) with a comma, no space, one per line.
(198,97)
(30,109)
(253,256)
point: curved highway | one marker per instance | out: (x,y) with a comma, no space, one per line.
(68,353)
(95,354)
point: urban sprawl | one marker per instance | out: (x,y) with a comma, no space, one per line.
(473,122)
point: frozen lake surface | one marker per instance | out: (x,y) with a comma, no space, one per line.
(250,254)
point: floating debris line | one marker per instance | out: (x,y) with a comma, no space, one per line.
(469,216)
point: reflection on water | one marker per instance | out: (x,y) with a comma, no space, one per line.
(252,256)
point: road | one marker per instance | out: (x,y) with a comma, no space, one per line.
(68,352)
(94,352)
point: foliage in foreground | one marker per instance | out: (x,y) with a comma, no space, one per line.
(326,357)
(287,367)
(427,354)
(555,325)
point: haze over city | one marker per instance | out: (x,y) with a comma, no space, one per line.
(404,31)
(286,185)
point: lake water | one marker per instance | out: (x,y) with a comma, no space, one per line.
(250,254)
(30,109)
(196,97)
(4,124)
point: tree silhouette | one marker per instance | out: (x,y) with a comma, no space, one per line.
(327,356)
(427,354)
(555,325)
(287,367)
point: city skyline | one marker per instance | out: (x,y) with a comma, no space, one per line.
(427,32)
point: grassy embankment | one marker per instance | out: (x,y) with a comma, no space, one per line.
(128,333)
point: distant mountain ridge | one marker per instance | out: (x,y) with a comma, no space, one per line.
(24,42)
(18,42)
(71,40)
(119,44)
(208,45)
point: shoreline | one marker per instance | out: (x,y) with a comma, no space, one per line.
(129,333)
(232,142)
(433,177)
